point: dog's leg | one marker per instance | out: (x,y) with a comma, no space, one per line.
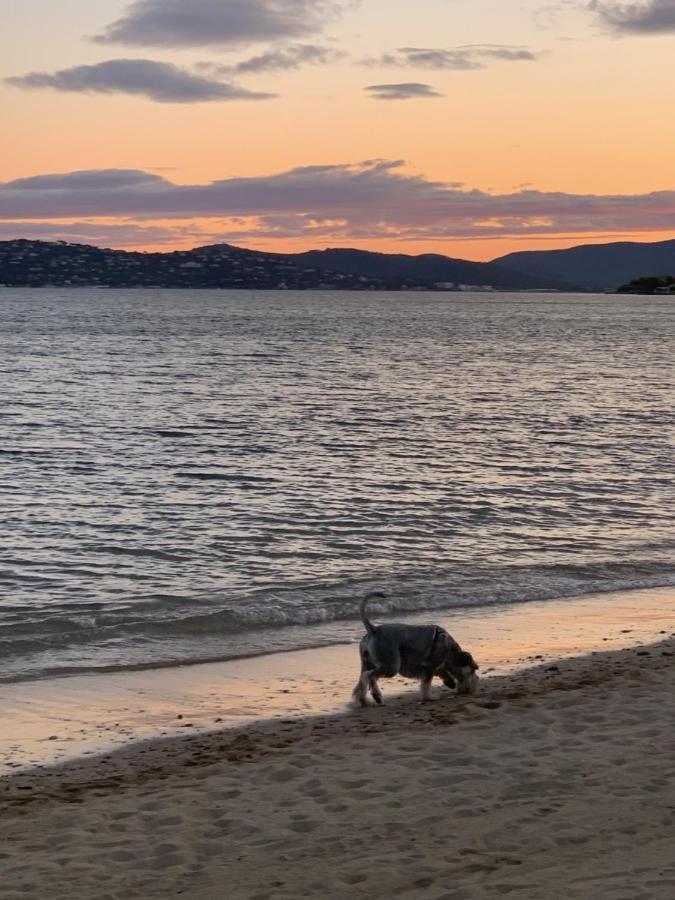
(425,686)
(388,664)
(360,692)
(374,687)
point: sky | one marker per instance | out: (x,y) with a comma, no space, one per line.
(471,128)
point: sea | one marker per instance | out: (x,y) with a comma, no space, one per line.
(205,475)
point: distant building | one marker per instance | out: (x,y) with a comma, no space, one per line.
(482,288)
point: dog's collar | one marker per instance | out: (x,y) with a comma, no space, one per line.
(437,634)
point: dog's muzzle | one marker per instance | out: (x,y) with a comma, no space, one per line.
(468,683)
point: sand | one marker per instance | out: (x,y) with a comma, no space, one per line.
(556,782)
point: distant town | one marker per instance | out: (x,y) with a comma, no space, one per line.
(25,263)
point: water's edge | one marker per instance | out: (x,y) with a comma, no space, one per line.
(65,718)
(215,627)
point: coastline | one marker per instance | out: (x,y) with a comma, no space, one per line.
(556,781)
(82,716)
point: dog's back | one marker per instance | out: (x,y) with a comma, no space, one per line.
(420,649)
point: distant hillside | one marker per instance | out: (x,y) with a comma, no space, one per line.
(25,263)
(596,266)
(38,264)
(429,267)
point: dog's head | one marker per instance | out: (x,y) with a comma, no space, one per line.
(460,670)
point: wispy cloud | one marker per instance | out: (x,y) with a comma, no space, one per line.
(371,200)
(474,56)
(228,23)
(281,59)
(649,17)
(411,90)
(551,15)
(108,234)
(161,82)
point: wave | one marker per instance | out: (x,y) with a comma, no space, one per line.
(160,631)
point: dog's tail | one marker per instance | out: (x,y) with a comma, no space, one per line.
(370,628)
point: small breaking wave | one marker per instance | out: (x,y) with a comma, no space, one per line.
(162,631)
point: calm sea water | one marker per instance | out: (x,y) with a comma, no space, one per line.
(191,475)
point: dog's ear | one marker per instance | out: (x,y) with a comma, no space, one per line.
(466,659)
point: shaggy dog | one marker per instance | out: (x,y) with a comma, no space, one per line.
(414,651)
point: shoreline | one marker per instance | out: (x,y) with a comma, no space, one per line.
(79,717)
(154,757)
(538,787)
(327,634)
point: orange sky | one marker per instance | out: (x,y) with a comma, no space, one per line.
(588,115)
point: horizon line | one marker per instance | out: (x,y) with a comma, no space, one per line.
(252,249)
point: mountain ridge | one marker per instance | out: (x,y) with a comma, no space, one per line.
(433,267)
(586,267)
(31,263)
(597,266)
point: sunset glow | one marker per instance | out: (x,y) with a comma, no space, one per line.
(470,128)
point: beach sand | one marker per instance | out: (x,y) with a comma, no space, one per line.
(555,782)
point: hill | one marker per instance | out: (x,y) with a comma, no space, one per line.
(596,266)
(428,267)
(38,264)
(26,263)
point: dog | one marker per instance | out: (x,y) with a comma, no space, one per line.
(413,651)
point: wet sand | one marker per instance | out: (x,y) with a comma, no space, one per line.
(554,782)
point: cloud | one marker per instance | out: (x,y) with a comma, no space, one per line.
(227,23)
(551,16)
(108,234)
(283,59)
(411,90)
(161,82)
(650,17)
(473,56)
(370,200)
(89,180)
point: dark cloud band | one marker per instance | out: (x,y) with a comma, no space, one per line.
(650,17)
(161,82)
(476,56)
(370,200)
(192,23)
(411,90)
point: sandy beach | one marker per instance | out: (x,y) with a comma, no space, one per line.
(557,781)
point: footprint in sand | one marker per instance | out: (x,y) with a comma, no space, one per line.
(356,878)
(350,783)
(303,826)
(283,775)
(444,780)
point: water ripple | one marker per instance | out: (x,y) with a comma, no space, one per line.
(180,469)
